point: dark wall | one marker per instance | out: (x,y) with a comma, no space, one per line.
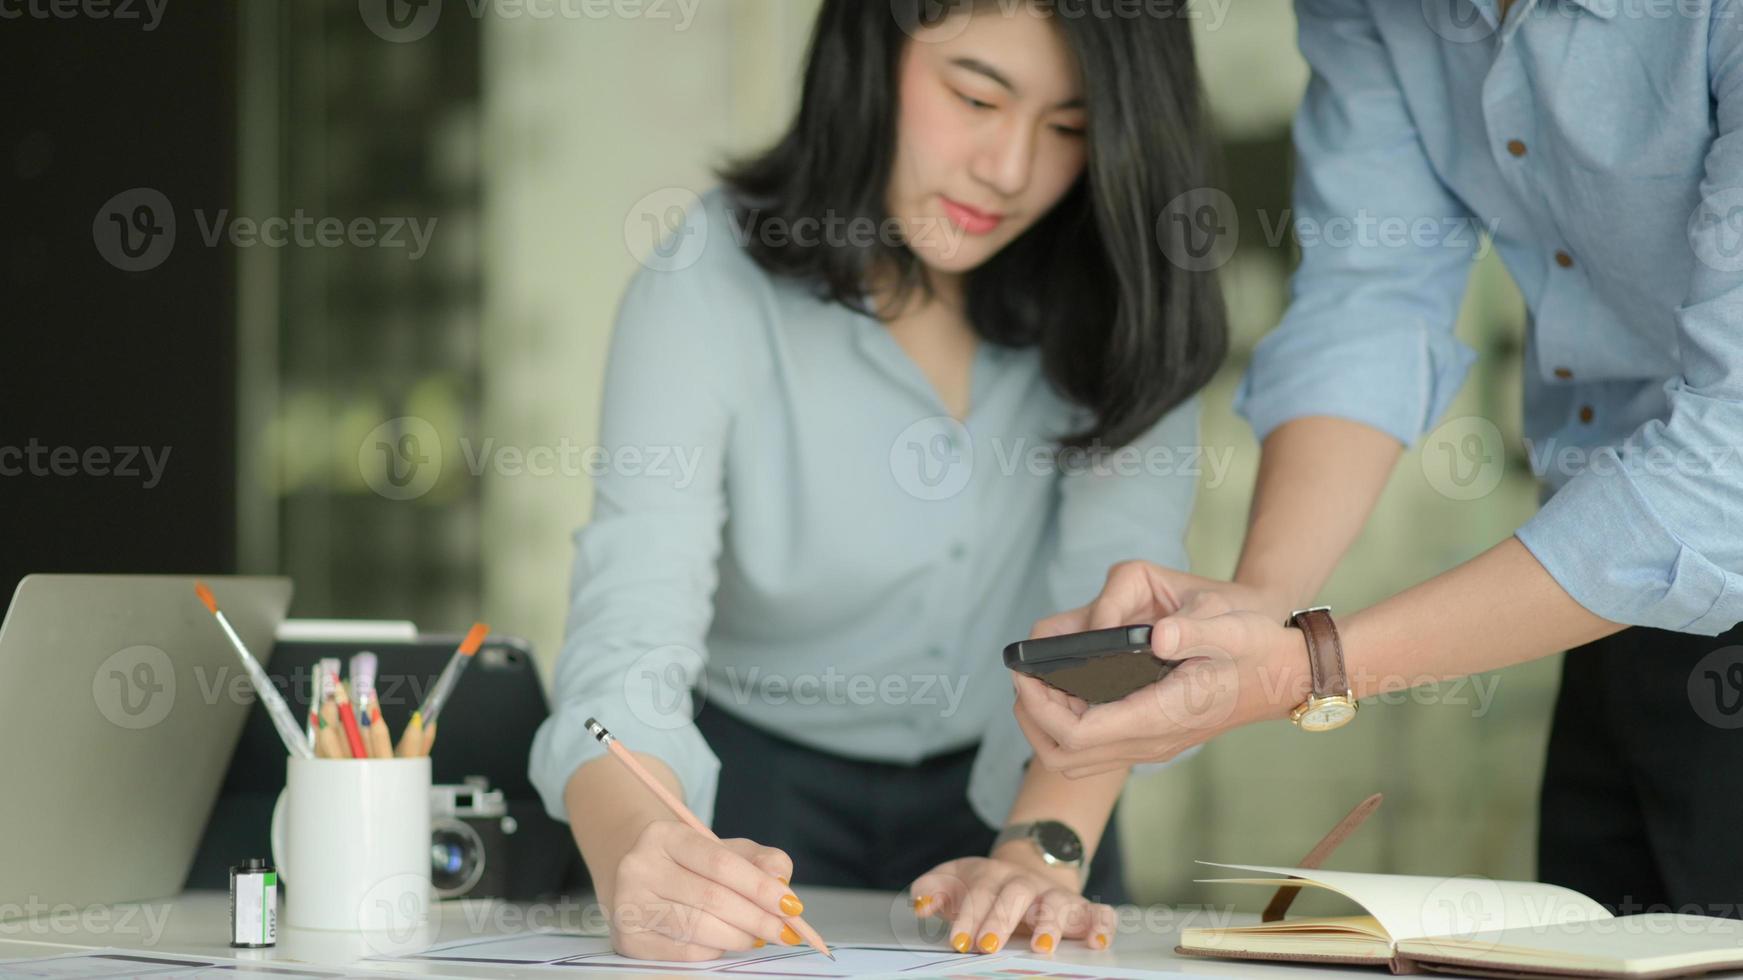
(98,363)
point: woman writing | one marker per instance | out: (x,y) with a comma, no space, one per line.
(899,347)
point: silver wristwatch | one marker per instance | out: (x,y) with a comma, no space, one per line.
(1059,845)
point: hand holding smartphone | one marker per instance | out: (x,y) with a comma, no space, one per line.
(1097,666)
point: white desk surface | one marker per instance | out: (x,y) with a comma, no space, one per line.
(196,923)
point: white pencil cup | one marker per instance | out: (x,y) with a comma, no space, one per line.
(351,838)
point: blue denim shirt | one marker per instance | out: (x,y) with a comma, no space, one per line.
(1598,140)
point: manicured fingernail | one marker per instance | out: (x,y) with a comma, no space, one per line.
(921,903)
(790,937)
(1044,942)
(1167,637)
(759,944)
(1101,940)
(989,943)
(960,941)
(782,879)
(790,905)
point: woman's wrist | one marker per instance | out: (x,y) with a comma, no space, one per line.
(1024,854)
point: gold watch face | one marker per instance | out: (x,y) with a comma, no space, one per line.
(1325,714)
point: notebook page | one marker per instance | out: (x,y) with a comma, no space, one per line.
(1415,906)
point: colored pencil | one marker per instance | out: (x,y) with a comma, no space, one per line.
(380,746)
(411,741)
(348,719)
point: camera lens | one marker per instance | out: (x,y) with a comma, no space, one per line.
(456,858)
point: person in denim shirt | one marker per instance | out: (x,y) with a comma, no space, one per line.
(1602,141)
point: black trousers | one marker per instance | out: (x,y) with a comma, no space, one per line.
(853,824)
(1642,806)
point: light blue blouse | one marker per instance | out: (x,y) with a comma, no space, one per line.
(794,527)
(1600,139)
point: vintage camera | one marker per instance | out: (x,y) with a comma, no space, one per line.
(469,832)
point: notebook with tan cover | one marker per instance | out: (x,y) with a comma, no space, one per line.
(1467,925)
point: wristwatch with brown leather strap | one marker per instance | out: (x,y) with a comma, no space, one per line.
(1331,704)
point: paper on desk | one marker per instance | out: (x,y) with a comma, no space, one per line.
(568,951)
(100,963)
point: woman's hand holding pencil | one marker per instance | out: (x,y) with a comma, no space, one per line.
(678,892)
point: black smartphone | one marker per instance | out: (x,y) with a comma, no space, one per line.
(1098,666)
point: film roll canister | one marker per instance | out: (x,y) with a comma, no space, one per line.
(253,904)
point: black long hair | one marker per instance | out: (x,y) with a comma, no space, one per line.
(1122,330)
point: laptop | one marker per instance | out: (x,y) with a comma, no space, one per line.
(120,702)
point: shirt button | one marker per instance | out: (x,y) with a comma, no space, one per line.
(1564,373)
(936,653)
(1516,147)
(958,551)
(1563,259)
(1586,414)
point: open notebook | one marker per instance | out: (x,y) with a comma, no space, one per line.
(1468,925)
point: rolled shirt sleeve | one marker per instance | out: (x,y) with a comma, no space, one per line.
(644,574)
(1650,533)
(1368,335)
(1133,504)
